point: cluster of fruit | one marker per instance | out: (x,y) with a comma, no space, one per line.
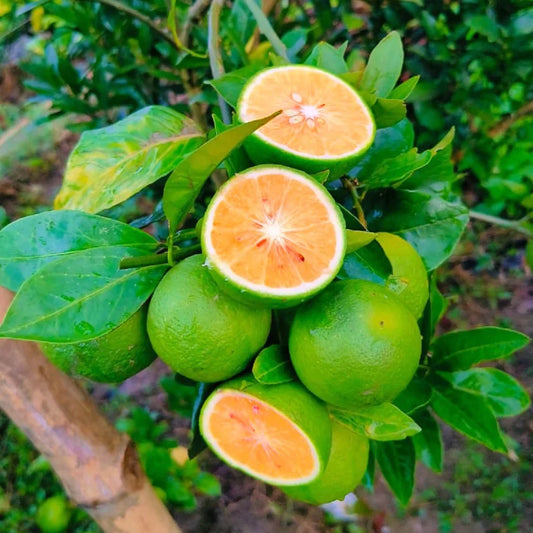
(274,239)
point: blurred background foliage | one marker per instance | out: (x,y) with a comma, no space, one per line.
(85,64)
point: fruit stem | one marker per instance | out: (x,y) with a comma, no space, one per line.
(176,253)
(185,235)
(349,185)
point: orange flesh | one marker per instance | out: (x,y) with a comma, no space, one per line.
(322,117)
(274,231)
(256,436)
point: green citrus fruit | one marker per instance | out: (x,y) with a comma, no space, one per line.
(198,330)
(274,236)
(345,468)
(355,344)
(53,515)
(409,280)
(111,358)
(280,434)
(324,123)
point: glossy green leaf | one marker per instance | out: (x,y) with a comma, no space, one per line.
(198,443)
(352,222)
(368,478)
(357,239)
(273,366)
(384,66)
(428,443)
(380,422)
(388,112)
(397,460)
(438,303)
(438,175)
(111,164)
(230,85)
(388,143)
(503,393)
(328,58)
(467,413)
(369,262)
(404,90)
(238,159)
(392,172)
(80,297)
(186,181)
(460,350)
(414,397)
(31,242)
(433,226)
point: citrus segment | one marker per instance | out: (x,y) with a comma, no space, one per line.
(280,434)
(274,233)
(323,119)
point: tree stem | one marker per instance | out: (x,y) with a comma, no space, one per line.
(349,185)
(502,222)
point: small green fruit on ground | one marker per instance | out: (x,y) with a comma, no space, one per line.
(53,515)
(280,434)
(111,358)
(355,344)
(198,330)
(409,280)
(345,468)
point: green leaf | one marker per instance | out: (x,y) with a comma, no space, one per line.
(404,90)
(460,350)
(467,413)
(388,112)
(380,422)
(328,58)
(430,224)
(368,478)
(198,443)
(369,262)
(384,66)
(438,175)
(230,85)
(392,172)
(414,397)
(80,297)
(397,460)
(273,366)
(388,143)
(438,304)
(111,164)
(238,159)
(31,242)
(428,443)
(186,181)
(503,393)
(357,239)
(207,484)
(352,222)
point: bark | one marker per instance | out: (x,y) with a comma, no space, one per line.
(97,465)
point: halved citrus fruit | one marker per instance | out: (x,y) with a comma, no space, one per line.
(324,123)
(280,434)
(275,235)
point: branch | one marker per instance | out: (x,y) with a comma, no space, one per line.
(215,57)
(515,225)
(506,123)
(97,465)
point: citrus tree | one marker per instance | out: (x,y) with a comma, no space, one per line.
(288,268)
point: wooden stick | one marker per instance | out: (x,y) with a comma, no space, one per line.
(97,465)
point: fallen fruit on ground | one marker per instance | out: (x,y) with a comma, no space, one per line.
(274,236)
(280,434)
(324,123)
(409,280)
(355,344)
(344,470)
(199,331)
(111,358)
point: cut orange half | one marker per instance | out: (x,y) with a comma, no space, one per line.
(275,235)
(324,123)
(280,434)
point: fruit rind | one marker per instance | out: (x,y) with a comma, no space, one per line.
(261,149)
(292,401)
(250,292)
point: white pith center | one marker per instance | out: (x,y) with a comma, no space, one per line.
(308,113)
(273,231)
